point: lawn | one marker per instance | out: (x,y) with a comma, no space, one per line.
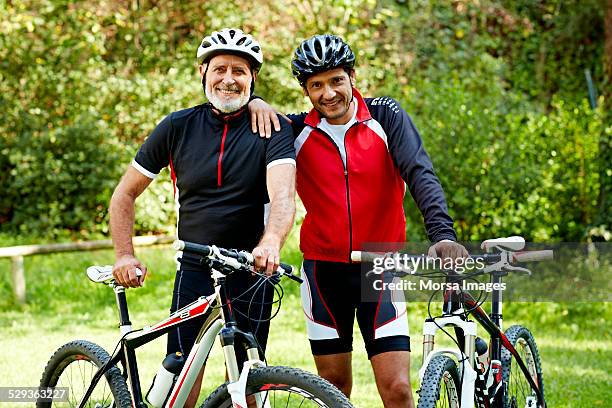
(574,339)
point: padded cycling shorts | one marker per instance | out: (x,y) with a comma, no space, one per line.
(332,293)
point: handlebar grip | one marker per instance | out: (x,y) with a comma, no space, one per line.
(533,256)
(199,249)
(363,256)
(288,272)
(286,268)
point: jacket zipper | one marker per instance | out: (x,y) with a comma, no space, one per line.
(348,196)
(219,172)
(346,180)
(348,202)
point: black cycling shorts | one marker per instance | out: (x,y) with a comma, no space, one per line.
(192,282)
(332,293)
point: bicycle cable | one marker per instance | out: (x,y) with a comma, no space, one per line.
(254,289)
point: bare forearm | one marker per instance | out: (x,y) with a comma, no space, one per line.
(280,221)
(122,223)
(281,190)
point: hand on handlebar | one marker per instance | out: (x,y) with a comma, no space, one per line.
(266,257)
(448,250)
(126,272)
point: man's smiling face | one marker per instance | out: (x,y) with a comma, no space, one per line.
(228,82)
(331,94)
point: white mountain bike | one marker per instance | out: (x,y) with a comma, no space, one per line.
(97,379)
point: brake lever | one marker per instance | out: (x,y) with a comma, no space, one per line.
(228,260)
(510,268)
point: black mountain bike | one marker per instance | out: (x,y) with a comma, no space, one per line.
(505,372)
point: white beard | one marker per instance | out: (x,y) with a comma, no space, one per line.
(226,107)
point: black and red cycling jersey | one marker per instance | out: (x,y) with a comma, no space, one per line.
(218,167)
(361,201)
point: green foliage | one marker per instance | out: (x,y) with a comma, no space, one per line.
(559,39)
(61,178)
(496,87)
(527,173)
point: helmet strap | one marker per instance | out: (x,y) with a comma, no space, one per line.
(204,78)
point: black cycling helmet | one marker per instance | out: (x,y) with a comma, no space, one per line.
(320,53)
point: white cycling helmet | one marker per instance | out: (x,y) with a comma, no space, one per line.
(232,41)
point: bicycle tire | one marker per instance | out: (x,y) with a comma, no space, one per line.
(515,384)
(86,357)
(287,381)
(441,373)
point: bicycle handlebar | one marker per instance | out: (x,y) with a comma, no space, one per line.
(242,258)
(364,256)
(488,259)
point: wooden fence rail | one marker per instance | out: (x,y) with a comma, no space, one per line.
(16,253)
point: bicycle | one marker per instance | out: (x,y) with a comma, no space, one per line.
(507,372)
(268,386)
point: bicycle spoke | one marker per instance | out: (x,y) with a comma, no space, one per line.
(520,389)
(72,389)
(76,374)
(290,398)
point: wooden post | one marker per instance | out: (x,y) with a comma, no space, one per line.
(19,285)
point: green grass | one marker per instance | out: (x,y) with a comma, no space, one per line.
(574,339)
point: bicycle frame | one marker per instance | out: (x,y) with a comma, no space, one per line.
(218,320)
(453,316)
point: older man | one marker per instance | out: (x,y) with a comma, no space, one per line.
(223,175)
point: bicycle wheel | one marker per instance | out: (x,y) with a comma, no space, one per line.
(73,365)
(441,385)
(284,387)
(517,391)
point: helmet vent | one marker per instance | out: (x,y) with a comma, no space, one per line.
(232,33)
(256,49)
(318,50)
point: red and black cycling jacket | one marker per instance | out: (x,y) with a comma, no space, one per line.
(362,202)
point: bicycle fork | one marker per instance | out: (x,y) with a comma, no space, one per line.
(468,374)
(237,379)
